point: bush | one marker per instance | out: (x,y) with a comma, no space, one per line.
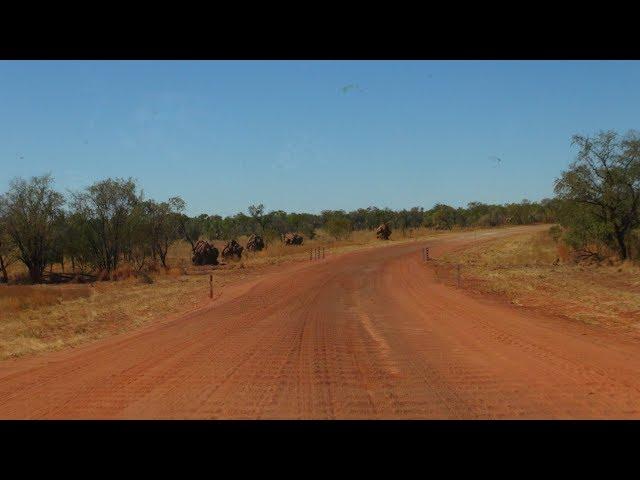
(555,232)
(339,227)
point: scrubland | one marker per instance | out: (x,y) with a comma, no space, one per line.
(531,270)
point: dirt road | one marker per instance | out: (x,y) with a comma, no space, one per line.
(367,334)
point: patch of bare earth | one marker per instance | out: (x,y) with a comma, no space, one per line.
(521,270)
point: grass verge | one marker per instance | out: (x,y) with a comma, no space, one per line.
(524,270)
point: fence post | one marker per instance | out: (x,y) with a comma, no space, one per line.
(427,252)
(311,254)
(323,252)
(210,286)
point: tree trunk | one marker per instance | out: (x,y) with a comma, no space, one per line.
(3,268)
(163,258)
(35,272)
(622,246)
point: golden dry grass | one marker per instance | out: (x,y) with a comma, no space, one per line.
(16,298)
(521,269)
(51,317)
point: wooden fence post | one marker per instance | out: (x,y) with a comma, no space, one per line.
(210,286)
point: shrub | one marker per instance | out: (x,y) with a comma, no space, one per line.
(555,232)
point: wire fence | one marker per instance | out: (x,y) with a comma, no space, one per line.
(317,253)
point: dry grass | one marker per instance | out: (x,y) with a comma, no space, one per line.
(521,269)
(50,317)
(17,298)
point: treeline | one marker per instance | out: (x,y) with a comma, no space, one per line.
(110,222)
(95,229)
(340,223)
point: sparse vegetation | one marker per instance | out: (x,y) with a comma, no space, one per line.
(523,270)
(109,228)
(601,190)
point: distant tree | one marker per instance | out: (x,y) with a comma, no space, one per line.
(214,228)
(605,178)
(31,211)
(305,223)
(164,225)
(109,214)
(191,229)
(338,226)
(276,225)
(257,212)
(441,217)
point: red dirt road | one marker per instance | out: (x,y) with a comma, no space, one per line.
(368,334)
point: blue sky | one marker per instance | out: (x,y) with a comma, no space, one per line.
(224,135)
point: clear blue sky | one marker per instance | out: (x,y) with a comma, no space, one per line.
(224,135)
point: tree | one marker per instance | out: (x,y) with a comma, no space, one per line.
(338,226)
(76,244)
(7,252)
(190,229)
(257,212)
(109,216)
(276,225)
(305,223)
(441,217)
(605,178)
(31,212)
(164,225)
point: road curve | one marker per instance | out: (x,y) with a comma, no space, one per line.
(368,334)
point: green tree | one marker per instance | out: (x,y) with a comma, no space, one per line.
(109,214)
(338,226)
(605,178)
(441,217)
(31,211)
(191,229)
(7,252)
(257,212)
(163,225)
